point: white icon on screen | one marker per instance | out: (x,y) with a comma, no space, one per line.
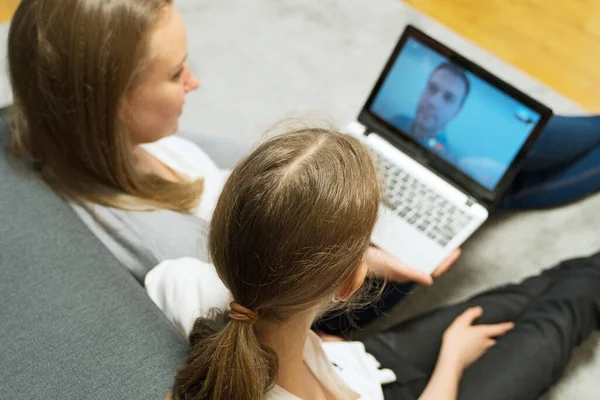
(524,116)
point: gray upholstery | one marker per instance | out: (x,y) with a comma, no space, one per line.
(73,323)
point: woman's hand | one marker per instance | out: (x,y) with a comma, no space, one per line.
(384,265)
(463,343)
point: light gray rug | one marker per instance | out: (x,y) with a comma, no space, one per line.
(263,60)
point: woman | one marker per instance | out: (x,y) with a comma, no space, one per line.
(288,239)
(562,167)
(99,87)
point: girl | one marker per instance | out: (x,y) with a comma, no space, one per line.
(288,239)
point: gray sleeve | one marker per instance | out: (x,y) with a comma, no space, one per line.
(142,239)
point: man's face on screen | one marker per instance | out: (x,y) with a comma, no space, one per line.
(441,101)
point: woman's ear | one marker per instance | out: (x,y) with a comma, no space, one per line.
(352,284)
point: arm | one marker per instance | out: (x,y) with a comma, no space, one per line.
(384,265)
(185,290)
(443,384)
(462,344)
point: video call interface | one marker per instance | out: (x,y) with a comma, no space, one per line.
(453,113)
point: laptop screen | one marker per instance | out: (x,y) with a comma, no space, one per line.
(453,113)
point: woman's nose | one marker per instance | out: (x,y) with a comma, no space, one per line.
(192,82)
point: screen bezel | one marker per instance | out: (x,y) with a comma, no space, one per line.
(449,172)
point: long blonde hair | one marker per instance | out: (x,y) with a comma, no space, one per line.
(292,224)
(71,63)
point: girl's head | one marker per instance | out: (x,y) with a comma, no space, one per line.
(289,233)
(92,80)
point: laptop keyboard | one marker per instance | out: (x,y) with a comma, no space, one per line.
(418,205)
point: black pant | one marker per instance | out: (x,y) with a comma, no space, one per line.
(342,324)
(554,312)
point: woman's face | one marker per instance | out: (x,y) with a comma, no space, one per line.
(152,108)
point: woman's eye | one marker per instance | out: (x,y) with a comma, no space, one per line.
(178,75)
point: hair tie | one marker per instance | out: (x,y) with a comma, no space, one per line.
(240,313)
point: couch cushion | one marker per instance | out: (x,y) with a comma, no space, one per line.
(73,323)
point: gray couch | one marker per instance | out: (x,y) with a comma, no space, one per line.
(74,324)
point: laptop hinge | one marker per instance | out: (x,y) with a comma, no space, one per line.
(356,128)
(470,201)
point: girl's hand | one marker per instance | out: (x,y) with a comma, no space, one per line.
(384,265)
(463,343)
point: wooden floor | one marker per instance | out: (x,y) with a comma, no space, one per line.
(7,7)
(556,41)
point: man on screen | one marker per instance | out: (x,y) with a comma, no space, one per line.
(441,101)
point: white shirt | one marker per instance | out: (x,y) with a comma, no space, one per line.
(316,360)
(187,289)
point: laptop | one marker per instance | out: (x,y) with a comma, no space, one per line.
(447,137)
